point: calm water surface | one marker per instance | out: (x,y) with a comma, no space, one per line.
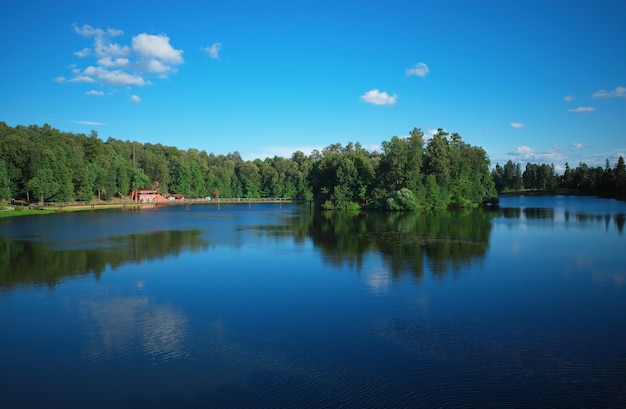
(522,306)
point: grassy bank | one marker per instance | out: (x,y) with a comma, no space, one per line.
(10,211)
(15,211)
(554,192)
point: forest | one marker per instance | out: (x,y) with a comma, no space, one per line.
(43,164)
(609,181)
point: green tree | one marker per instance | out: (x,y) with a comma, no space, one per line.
(269,180)
(619,176)
(43,184)
(530,176)
(437,158)
(249,179)
(434,196)
(497,175)
(154,163)
(512,176)
(401,162)
(5,192)
(139,179)
(403,199)
(197,183)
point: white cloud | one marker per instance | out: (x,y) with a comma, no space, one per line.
(153,46)
(94,92)
(582,109)
(578,145)
(108,77)
(288,151)
(376,97)
(568,98)
(102,45)
(118,65)
(522,150)
(113,62)
(419,70)
(280,151)
(528,154)
(88,31)
(430,133)
(83,53)
(213,50)
(516,125)
(90,123)
(619,92)
(156,54)
(135,98)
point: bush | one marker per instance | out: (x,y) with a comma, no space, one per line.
(403,199)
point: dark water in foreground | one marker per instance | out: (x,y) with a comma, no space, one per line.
(524,306)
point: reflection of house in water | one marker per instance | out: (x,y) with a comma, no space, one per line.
(147,196)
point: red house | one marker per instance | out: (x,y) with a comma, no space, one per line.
(147,196)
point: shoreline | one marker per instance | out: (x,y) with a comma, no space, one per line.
(18,211)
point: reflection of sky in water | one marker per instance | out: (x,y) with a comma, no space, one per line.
(117,326)
(258,319)
(378,281)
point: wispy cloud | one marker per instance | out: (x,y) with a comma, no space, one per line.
(108,77)
(582,109)
(377,97)
(280,151)
(428,135)
(516,125)
(528,154)
(568,98)
(213,50)
(578,145)
(135,98)
(619,92)
(118,65)
(89,123)
(419,70)
(522,150)
(94,92)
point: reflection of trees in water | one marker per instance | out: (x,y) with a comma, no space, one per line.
(447,241)
(35,262)
(620,220)
(539,213)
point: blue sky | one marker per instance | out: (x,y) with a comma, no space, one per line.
(539,81)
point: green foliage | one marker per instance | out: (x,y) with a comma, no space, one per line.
(507,179)
(436,197)
(139,179)
(400,165)
(607,182)
(403,199)
(406,175)
(43,184)
(539,177)
(5,192)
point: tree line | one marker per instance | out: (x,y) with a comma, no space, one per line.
(609,181)
(41,163)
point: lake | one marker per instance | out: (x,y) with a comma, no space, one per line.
(522,306)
